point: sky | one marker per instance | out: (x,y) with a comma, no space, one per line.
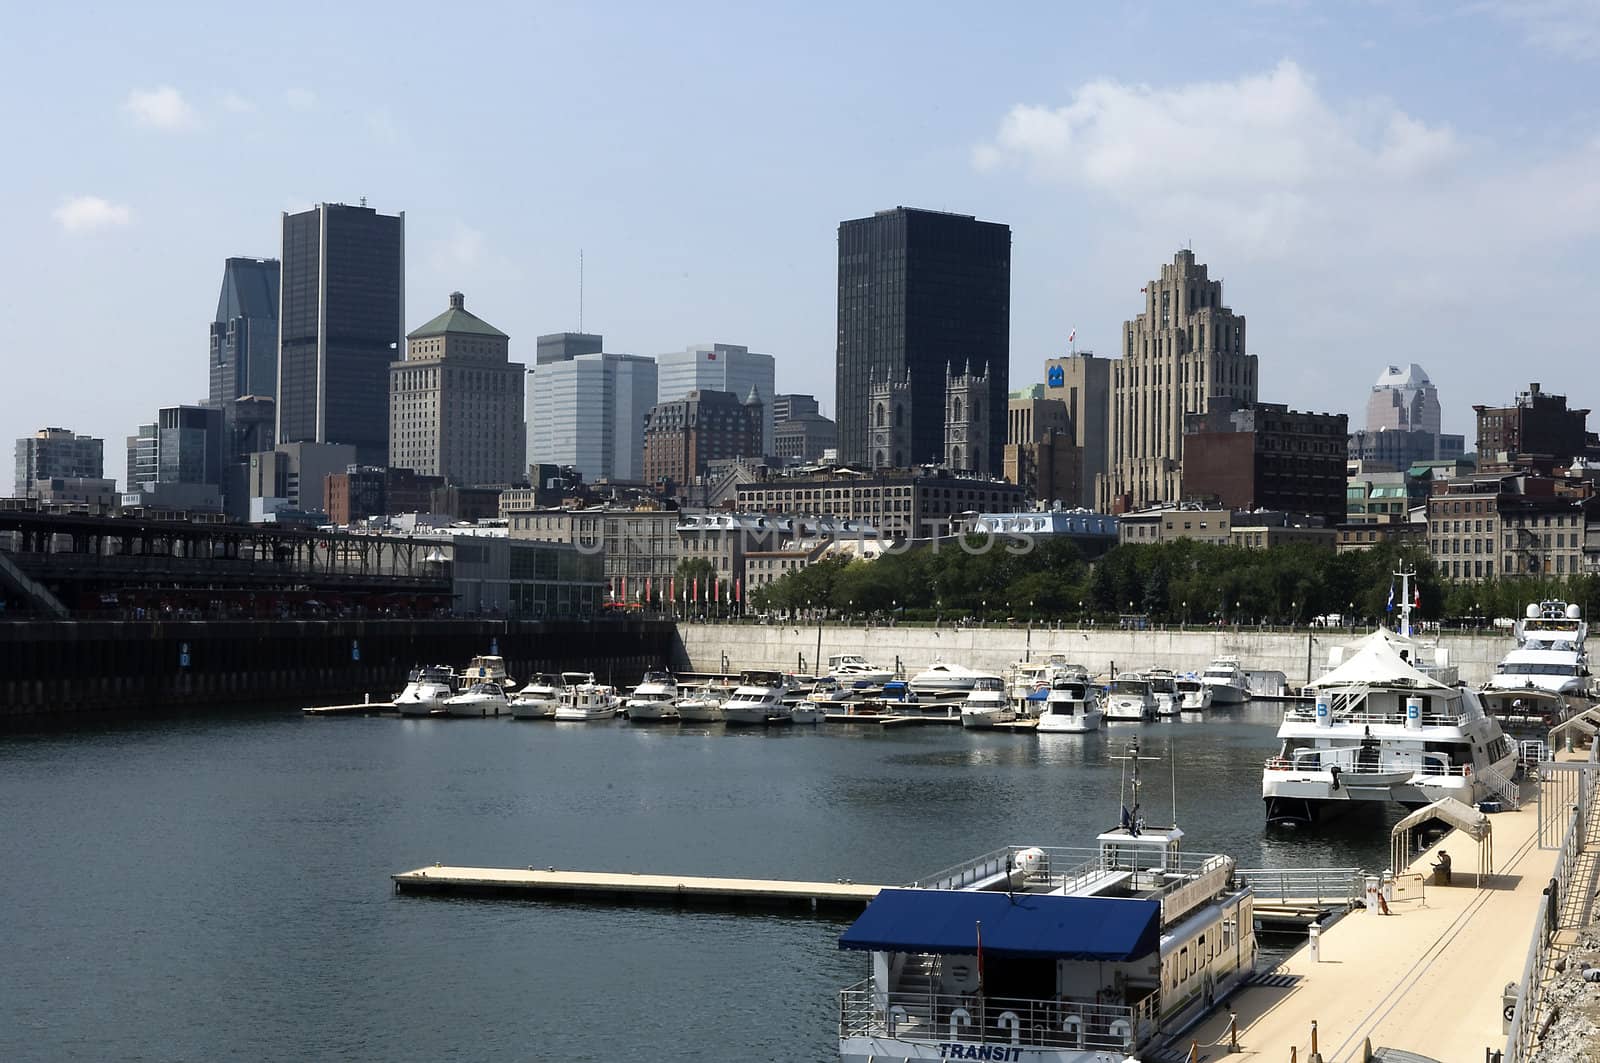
(1375,183)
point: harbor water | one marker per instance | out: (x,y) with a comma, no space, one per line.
(199,888)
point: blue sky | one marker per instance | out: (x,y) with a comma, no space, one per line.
(1375,182)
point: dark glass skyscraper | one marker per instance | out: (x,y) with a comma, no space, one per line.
(339,326)
(244,339)
(929,293)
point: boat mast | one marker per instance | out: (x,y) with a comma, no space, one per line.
(1405,600)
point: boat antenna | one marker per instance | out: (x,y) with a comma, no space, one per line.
(1172,764)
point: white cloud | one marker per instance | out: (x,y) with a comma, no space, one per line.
(461,249)
(1569,28)
(301,99)
(237,104)
(162,108)
(81,214)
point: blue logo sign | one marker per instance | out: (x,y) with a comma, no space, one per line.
(494,647)
(183,655)
(355,649)
(1057,377)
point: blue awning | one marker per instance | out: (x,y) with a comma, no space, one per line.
(1038,695)
(1034,925)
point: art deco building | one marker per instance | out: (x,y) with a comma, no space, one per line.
(1183,349)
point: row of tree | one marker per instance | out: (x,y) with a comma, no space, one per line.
(1168,583)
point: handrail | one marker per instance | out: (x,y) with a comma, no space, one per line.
(1348,761)
(1318,884)
(974,1018)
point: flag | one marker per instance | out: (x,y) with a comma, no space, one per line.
(1072,335)
(980,956)
(624,589)
(696,587)
(672,588)
(738,590)
(1416,599)
(1127,820)
(1388,606)
(711,356)
(1145,288)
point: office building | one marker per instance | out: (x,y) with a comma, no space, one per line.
(244,344)
(1266,456)
(1403,418)
(682,437)
(296,474)
(56,453)
(804,438)
(917,503)
(1183,350)
(341,314)
(183,446)
(1536,433)
(721,367)
(1082,382)
(924,296)
(789,407)
(588,411)
(636,544)
(565,346)
(455,402)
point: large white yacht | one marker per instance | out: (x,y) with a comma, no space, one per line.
(942,678)
(426,690)
(703,704)
(758,700)
(1129,699)
(1545,678)
(1050,955)
(852,668)
(587,700)
(539,699)
(655,698)
(1382,729)
(479,699)
(1193,695)
(1072,706)
(1164,688)
(1228,683)
(987,704)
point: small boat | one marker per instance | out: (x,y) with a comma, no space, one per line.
(1072,706)
(426,690)
(853,667)
(588,701)
(1229,685)
(1164,688)
(479,699)
(808,712)
(655,698)
(538,700)
(758,700)
(702,704)
(1193,695)
(987,705)
(944,678)
(1130,699)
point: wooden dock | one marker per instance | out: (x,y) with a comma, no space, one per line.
(364,708)
(551,883)
(894,720)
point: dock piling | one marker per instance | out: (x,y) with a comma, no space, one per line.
(1233,1030)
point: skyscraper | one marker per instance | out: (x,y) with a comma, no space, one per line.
(340,319)
(455,402)
(721,367)
(1403,400)
(244,342)
(589,411)
(57,452)
(1083,382)
(927,294)
(1183,349)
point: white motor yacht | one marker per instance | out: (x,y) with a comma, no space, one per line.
(1382,730)
(1071,707)
(852,668)
(479,699)
(1193,695)
(539,699)
(655,698)
(758,700)
(1164,688)
(1129,699)
(486,669)
(943,679)
(987,704)
(588,701)
(1228,683)
(1545,678)
(703,704)
(1024,680)
(426,690)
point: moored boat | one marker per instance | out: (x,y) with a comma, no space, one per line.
(1129,699)
(539,699)
(1228,683)
(703,704)
(426,690)
(479,699)
(758,700)
(587,701)
(655,698)
(1072,706)
(943,679)
(1545,678)
(987,704)
(1193,695)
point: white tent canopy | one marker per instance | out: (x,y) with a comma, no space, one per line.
(1462,817)
(1377,662)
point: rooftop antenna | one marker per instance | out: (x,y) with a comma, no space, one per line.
(363,201)
(580,289)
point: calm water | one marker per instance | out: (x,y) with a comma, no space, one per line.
(196,889)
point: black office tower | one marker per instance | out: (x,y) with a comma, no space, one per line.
(339,326)
(244,339)
(928,293)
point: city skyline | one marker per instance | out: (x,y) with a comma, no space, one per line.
(1365,210)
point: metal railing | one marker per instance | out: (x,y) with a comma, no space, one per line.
(1318,885)
(1348,760)
(1502,785)
(979,1019)
(1343,715)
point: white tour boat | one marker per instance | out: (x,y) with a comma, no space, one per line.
(587,700)
(852,668)
(1384,730)
(758,700)
(1071,707)
(655,698)
(426,690)
(1164,688)
(943,679)
(1193,695)
(987,703)
(1129,699)
(539,699)
(479,699)
(1545,678)
(1229,685)
(703,704)
(1050,955)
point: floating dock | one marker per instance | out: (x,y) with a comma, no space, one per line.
(364,708)
(550,883)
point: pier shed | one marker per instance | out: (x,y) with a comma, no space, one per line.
(1448,810)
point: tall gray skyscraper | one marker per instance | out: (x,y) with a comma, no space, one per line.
(244,341)
(340,322)
(929,294)
(589,411)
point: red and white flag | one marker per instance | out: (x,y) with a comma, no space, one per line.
(1072,335)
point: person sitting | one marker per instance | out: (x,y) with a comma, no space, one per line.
(1441,869)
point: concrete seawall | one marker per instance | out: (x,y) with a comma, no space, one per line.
(729,647)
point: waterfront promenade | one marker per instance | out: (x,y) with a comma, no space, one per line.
(1427,978)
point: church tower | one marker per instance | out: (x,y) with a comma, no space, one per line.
(966,421)
(889,430)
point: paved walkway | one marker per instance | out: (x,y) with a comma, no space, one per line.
(1427,978)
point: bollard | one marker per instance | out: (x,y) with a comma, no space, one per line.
(1233,1031)
(1314,1056)
(1194,1052)
(1294,1054)
(1314,935)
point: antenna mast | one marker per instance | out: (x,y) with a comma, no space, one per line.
(580,289)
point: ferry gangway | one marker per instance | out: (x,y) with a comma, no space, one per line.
(973,1018)
(1304,885)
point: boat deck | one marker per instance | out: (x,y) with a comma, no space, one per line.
(605,885)
(1427,978)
